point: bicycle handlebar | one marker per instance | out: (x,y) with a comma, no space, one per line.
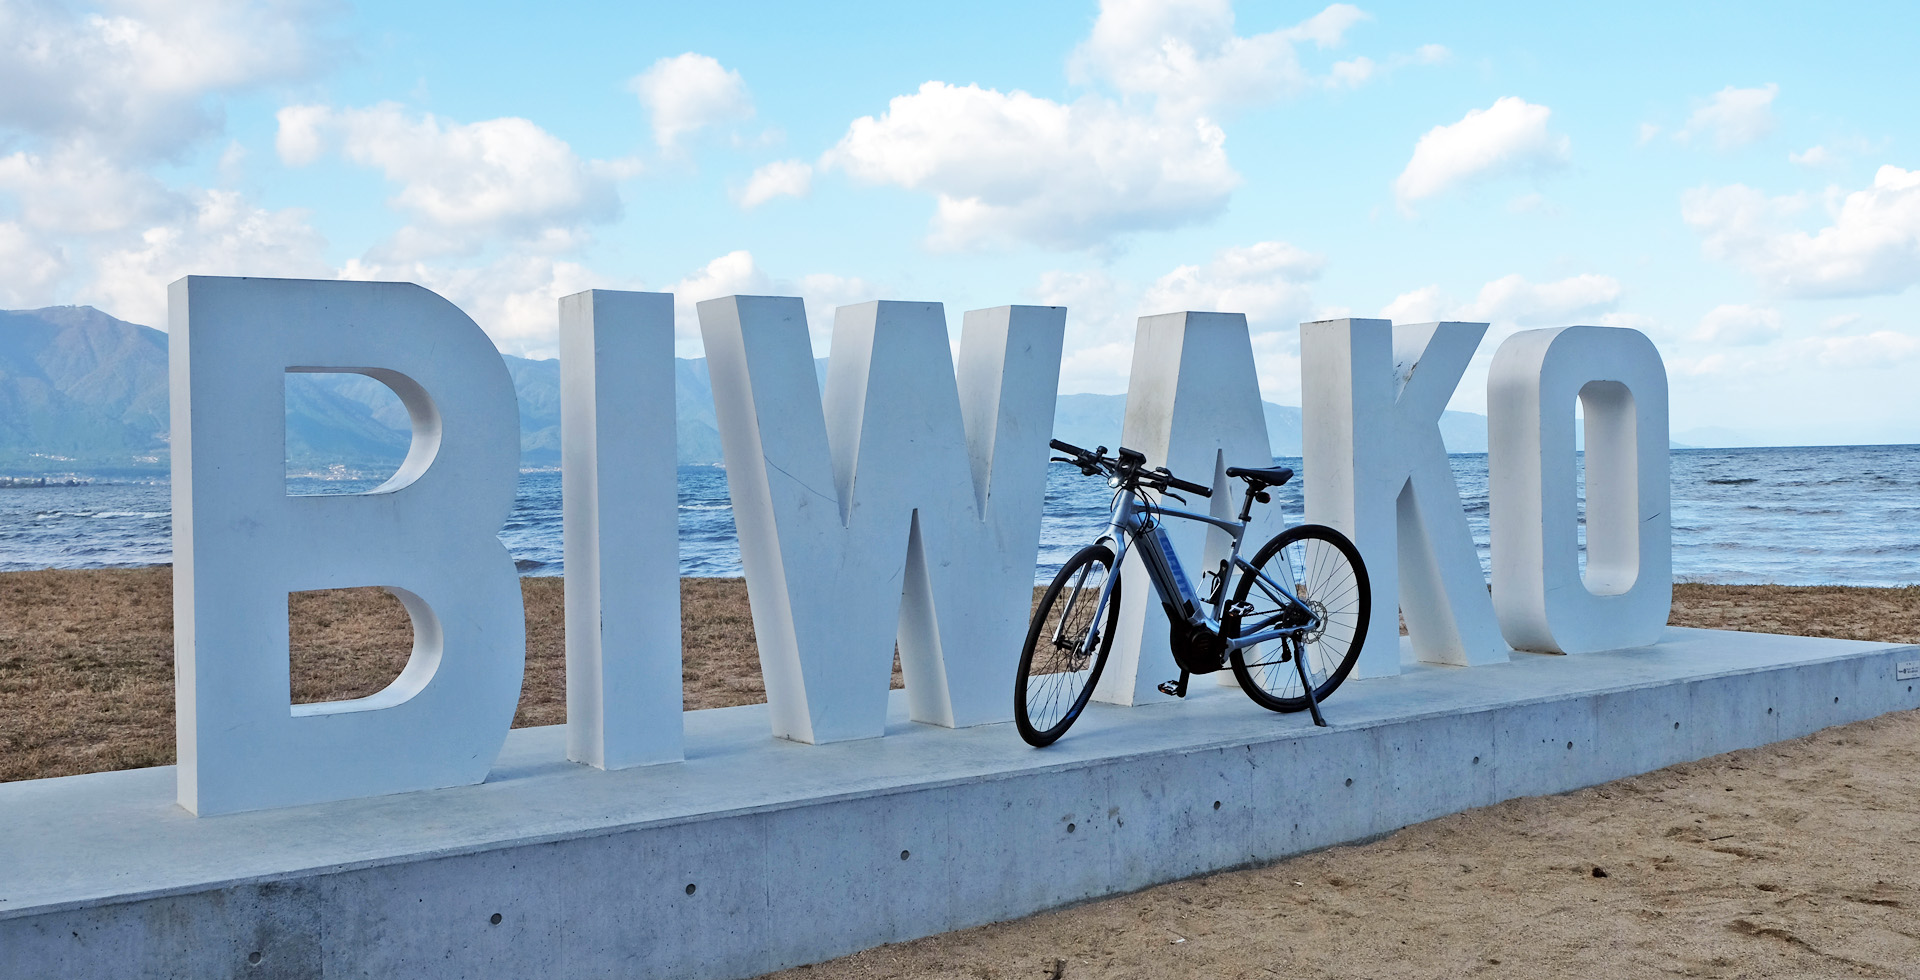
(1179,484)
(1090,461)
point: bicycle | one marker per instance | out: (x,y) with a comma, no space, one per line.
(1313,604)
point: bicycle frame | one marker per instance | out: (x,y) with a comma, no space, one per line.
(1132,524)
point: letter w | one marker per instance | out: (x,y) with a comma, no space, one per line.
(904,505)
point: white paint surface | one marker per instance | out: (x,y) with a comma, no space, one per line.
(1544,601)
(429,535)
(1376,468)
(1193,406)
(904,504)
(621,516)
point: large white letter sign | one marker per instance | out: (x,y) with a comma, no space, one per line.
(430,535)
(908,505)
(621,528)
(1193,406)
(1544,602)
(1376,468)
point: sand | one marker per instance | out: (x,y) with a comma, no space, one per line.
(1792,860)
(1796,859)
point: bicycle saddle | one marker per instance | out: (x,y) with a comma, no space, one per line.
(1266,476)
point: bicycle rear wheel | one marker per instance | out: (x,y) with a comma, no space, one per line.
(1324,569)
(1064,653)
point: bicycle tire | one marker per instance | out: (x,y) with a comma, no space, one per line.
(1324,569)
(1049,695)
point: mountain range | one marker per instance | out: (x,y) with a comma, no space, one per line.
(84,393)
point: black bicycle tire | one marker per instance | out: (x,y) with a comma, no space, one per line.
(1248,683)
(1036,737)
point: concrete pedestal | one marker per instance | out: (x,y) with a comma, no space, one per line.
(757,854)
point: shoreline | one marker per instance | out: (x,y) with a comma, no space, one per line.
(86,656)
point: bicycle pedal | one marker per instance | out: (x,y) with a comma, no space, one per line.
(1172,689)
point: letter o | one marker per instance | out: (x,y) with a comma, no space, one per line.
(1543,601)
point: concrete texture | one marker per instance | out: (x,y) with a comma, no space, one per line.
(798,853)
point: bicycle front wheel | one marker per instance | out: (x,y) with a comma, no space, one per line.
(1324,569)
(1065,652)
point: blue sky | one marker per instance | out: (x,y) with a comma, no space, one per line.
(1738,181)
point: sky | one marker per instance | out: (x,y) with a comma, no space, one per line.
(1738,181)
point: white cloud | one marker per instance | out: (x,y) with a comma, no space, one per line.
(1186,53)
(134,80)
(33,268)
(1424,305)
(302,137)
(1737,325)
(1872,245)
(1352,73)
(737,273)
(505,177)
(73,191)
(514,298)
(225,235)
(689,92)
(1812,157)
(1097,353)
(1881,348)
(1266,281)
(1733,118)
(1015,166)
(1877,349)
(781,178)
(1513,301)
(1509,136)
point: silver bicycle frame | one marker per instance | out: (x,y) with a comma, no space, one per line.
(1129,525)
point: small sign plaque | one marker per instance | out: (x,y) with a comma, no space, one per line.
(1907,670)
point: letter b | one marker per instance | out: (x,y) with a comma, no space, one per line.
(429,535)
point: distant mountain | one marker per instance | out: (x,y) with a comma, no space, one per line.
(82,392)
(1095,420)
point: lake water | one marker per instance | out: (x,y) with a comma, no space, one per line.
(1846,515)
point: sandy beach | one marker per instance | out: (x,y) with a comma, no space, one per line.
(1789,860)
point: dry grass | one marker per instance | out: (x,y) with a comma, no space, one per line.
(86,657)
(1842,612)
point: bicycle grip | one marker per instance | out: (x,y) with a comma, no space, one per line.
(1194,488)
(1067,447)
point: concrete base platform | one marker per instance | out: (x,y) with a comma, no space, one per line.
(757,854)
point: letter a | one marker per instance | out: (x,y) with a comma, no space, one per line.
(429,535)
(1193,406)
